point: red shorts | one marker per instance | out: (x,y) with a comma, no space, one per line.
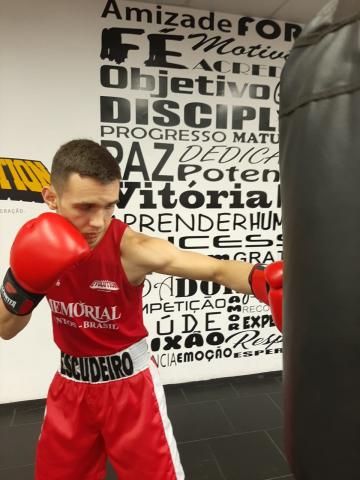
(123,419)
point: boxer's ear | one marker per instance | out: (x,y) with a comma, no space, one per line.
(50,197)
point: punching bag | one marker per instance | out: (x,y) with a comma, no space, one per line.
(320,189)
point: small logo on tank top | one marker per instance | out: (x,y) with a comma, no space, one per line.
(104,285)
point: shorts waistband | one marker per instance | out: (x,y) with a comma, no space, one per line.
(107,368)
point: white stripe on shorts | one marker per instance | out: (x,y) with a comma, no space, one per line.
(160,395)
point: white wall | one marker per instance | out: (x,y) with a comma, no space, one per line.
(50,93)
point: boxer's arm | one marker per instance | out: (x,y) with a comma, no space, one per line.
(142,254)
(10,324)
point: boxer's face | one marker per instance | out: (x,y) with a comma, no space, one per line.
(86,203)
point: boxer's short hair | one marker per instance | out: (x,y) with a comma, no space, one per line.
(85,157)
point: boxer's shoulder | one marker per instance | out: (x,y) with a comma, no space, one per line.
(133,255)
(134,243)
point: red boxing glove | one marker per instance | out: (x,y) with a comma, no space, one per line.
(266,283)
(43,248)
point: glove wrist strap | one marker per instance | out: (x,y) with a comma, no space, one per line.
(17,300)
(258,284)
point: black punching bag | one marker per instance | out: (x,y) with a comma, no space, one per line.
(320,186)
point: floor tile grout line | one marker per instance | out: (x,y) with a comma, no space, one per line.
(279,478)
(27,423)
(276,445)
(257,394)
(236,392)
(228,380)
(2,469)
(198,402)
(226,416)
(24,404)
(214,457)
(183,395)
(32,409)
(273,401)
(223,436)
(13,418)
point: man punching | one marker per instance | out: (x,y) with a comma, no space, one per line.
(106,399)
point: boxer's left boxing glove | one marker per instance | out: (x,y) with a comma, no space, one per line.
(43,248)
(266,283)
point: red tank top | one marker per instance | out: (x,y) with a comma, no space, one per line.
(95,310)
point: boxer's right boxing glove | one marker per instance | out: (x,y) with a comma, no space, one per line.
(266,282)
(43,248)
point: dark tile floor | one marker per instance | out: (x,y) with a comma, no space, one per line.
(226,429)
